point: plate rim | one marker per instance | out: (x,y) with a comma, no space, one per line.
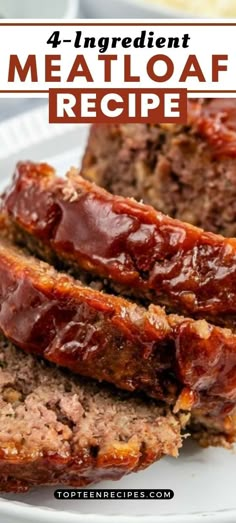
(23,510)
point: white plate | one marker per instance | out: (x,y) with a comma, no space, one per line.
(204,481)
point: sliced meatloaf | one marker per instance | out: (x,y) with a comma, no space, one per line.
(188,171)
(188,364)
(56,428)
(141,252)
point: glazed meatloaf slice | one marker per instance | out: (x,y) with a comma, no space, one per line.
(56,428)
(187,172)
(187,364)
(140,251)
(109,338)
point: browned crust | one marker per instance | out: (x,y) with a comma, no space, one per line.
(18,474)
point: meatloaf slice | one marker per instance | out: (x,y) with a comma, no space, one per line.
(142,252)
(58,428)
(105,337)
(188,171)
(188,364)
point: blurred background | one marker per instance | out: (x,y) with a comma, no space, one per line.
(69,9)
(118,8)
